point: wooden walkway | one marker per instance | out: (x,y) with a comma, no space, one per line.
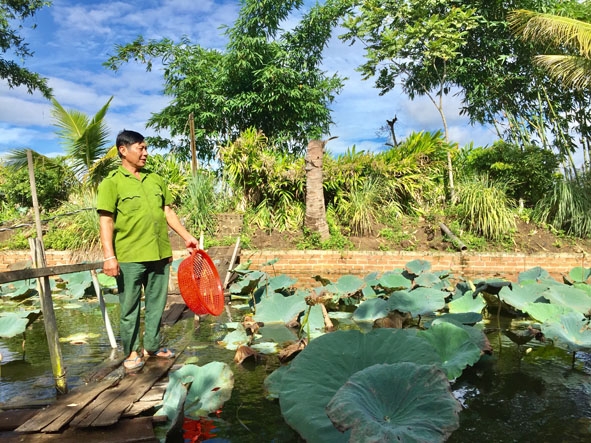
(108,407)
(112,406)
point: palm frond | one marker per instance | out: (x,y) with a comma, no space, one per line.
(571,70)
(535,26)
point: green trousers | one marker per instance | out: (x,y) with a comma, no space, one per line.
(151,278)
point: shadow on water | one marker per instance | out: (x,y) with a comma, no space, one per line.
(519,394)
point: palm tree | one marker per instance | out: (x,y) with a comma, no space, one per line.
(85,142)
(573,67)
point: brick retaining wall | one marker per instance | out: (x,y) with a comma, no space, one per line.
(304,265)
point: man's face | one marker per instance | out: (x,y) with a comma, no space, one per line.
(135,154)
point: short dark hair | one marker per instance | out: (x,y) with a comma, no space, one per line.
(127,138)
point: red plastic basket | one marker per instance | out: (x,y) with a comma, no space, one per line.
(200,285)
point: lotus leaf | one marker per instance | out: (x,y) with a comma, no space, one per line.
(465,318)
(313,322)
(578,275)
(569,296)
(454,345)
(278,333)
(19,290)
(371,310)
(106,281)
(235,339)
(467,303)
(384,403)
(394,280)
(210,386)
(417,267)
(272,382)
(428,280)
(317,372)
(547,312)
(571,331)
(281,282)
(12,325)
(521,295)
(420,301)
(278,308)
(536,274)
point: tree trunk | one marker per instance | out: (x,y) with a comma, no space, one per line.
(315,209)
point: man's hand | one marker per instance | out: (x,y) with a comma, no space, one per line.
(111,267)
(192,244)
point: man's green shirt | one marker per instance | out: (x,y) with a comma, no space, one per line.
(141,231)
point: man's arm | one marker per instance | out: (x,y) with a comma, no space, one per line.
(175,224)
(106,229)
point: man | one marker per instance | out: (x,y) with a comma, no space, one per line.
(134,216)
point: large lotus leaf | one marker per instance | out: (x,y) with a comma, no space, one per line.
(578,275)
(467,304)
(371,310)
(210,386)
(272,382)
(521,295)
(78,283)
(278,308)
(569,331)
(420,301)
(464,318)
(368,292)
(394,280)
(281,282)
(454,346)
(385,403)
(12,325)
(248,283)
(547,312)
(428,280)
(346,285)
(477,336)
(417,267)
(536,274)
(318,371)
(570,296)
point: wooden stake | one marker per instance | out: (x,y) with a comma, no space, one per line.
(38,256)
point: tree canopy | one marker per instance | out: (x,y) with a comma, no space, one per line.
(12,15)
(266,78)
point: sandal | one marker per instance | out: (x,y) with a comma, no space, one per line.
(136,364)
(160,353)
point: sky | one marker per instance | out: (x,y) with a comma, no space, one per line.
(73,38)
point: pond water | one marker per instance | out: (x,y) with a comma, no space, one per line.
(527,393)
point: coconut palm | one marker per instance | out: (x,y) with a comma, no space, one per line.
(573,37)
(85,141)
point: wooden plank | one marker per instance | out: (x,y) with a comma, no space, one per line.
(27,274)
(173,312)
(10,420)
(107,408)
(57,415)
(139,429)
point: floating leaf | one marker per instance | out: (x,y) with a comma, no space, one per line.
(520,295)
(428,280)
(547,312)
(467,303)
(281,282)
(12,325)
(569,296)
(375,404)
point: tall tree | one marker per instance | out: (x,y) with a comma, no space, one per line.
(266,78)
(412,43)
(12,14)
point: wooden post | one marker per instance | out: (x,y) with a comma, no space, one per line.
(38,256)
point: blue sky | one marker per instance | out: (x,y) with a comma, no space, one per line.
(74,37)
